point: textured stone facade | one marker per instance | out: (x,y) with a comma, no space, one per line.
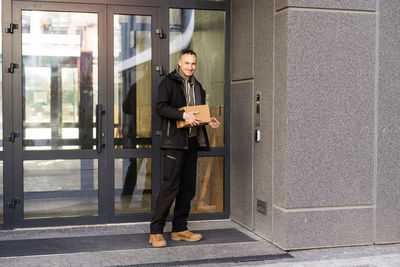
(326,164)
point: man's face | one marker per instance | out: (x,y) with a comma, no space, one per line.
(187,64)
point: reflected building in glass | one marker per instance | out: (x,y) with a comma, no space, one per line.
(60,88)
(60,85)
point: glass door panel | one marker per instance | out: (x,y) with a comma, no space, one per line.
(60,188)
(72,66)
(203,31)
(60,79)
(57,96)
(133,185)
(209,186)
(135,80)
(192,29)
(132,81)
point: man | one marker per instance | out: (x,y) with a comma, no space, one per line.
(180,146)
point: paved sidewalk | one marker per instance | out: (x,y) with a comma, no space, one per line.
(257,252)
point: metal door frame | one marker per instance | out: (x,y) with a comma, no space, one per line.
(153,152)
(19,154)
(219,151)
(106,208)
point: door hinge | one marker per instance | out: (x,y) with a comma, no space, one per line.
(13,203)
(161,33)
(160,70)
(12,28)
(12,67)
(11,138)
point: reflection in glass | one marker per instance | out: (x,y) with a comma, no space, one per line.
(60,79)
(132,81)
(209,196)
(1,192)
(204,32)
(132,185)
(60,188)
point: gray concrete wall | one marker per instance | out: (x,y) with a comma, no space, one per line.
(242,95)
(327,165)
(388,170)
(327,96)
(263,84)
(252,73)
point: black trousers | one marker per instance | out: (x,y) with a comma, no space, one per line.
(179,184)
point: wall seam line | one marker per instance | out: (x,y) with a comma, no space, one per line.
(242,81)
(333,10)
(252,147)
(333,208)
(273,128)
(376,120)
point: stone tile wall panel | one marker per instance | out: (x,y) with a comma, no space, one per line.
(388,175)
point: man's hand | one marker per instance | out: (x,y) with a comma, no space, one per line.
(214,123)
(190,118)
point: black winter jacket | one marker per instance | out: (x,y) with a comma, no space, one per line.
(171,96)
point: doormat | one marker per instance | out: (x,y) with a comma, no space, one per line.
(47,246)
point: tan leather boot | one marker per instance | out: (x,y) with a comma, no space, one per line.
(157,240)
(185,235)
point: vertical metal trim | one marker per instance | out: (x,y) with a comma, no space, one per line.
(17,117)
(163,56)
(8,185)
(102,100)
(110,115)
(227,142)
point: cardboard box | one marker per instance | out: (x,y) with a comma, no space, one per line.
(203,115)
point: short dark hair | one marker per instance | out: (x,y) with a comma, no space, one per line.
(188,51)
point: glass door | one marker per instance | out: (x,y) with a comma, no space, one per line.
(83,126)
(134,165)
(59,104)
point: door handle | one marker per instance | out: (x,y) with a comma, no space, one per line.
(99,133)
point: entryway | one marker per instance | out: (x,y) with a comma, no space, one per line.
(82,136)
